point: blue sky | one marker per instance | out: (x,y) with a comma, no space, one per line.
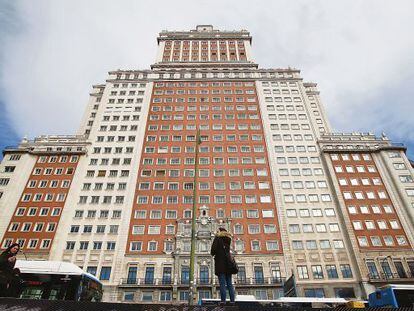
(361,54)
(8,134)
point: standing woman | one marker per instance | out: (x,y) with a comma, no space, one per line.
(220,249)
(7,263)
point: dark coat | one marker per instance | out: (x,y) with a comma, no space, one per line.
(220,249)
(6,266)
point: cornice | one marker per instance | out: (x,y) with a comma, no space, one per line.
(205,64)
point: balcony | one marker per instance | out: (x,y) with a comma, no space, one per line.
(146,282)
(160,282)
(265,281)
(200,282)
(388,277)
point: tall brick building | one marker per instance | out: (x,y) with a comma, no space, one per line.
(334,210)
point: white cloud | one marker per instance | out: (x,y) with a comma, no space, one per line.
(360,52)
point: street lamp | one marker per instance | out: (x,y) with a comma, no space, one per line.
(192,292)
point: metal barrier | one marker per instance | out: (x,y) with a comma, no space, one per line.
(12,304)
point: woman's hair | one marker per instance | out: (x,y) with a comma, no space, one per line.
(11,246)
(221,229)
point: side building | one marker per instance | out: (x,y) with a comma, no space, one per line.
(333,211)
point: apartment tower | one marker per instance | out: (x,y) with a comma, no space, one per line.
(333,211)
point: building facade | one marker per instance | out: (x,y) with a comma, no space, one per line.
(333,210)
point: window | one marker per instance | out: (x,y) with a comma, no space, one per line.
(346,271)
(105,273)
(138,229)
(326,198)
(376,209)
(110,245)
(255,245)
(357,225)
(401,240)
(258,274)
(317,272)
(254,229)
(294,228)
(369,224)
(152,229)
(165,296)
(314,292)
(334,227)
(92,270)
(331,272)
(394,224)
(376,241)
(320,228)
(324,244)
(362,241)
(347,195)
(406,179)
(399,166)
(136,246)
(303,272)
(152,246)
(338,169)
(307,228)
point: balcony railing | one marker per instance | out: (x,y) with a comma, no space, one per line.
(163,281)
(384,277)
(258,281)
(145,282)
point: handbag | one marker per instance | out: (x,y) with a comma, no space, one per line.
(231,264)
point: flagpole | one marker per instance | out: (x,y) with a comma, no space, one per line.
(192,292)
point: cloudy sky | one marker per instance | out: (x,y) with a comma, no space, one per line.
(361,54)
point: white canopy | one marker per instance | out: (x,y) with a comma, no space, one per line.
(51,267)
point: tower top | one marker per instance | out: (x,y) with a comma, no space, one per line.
(204,28)
(205,46)
(206,32)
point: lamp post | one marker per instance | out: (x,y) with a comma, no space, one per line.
(192,291)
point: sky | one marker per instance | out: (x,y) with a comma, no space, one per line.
(361,54)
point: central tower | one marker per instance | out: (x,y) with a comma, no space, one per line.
(204,47)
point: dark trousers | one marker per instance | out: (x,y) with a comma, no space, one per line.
(10,287)
(225,281)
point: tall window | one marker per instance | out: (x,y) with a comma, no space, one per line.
(400,269)
(303,272)
(386,268)
(331,271)
(317,272)
(185,275)
(91,269)
(276,274)
(258,275)
(204,275)
(166,275)
(241,275)
(204,294)
(149,275)
(372,269)
(132,275)
(105,273)
(346,271)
